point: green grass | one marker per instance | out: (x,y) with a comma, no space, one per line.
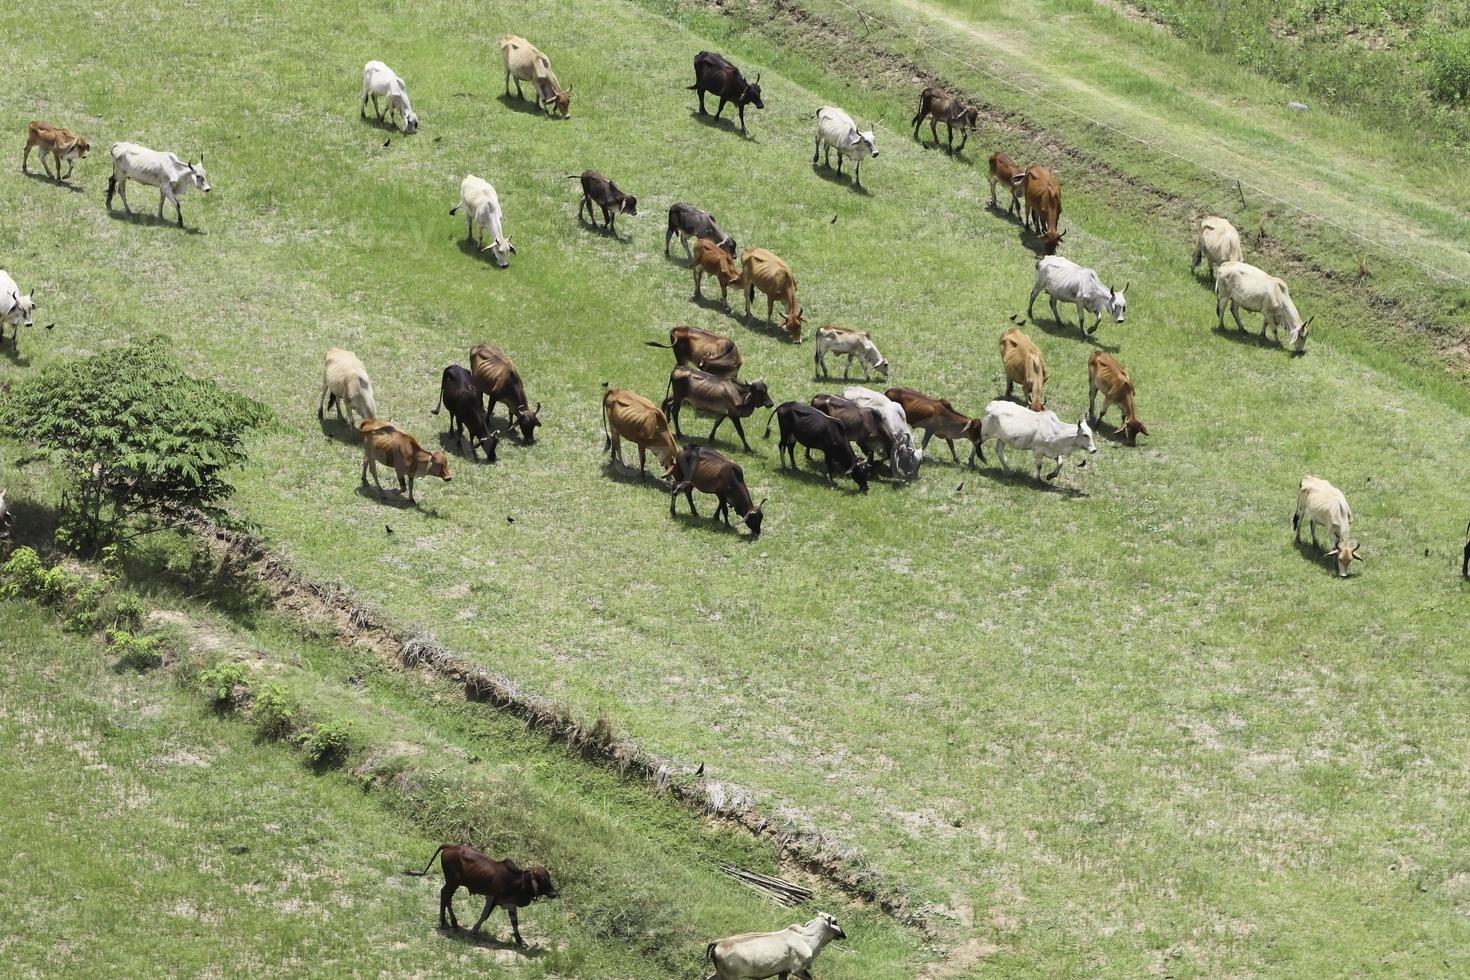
(1113,730)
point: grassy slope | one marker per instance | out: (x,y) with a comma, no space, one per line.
(1109,729)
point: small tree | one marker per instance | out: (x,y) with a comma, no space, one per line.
(142,445)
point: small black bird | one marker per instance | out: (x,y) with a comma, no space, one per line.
(960,487)
(387,141)
(700,770)
(50,326)
(833,221)
(388,529)
(509,519)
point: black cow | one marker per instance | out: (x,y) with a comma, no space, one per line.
(1465,565)
(687,221)
(712,73)
(817,430)
(597,189)
(702,469)
(503,884)
(457,391)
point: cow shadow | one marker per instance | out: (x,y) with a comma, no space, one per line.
(469,248)
(671,257)
(1314,554)
(815,474)
(339,430)
(757,324)
(730,124)
(451,447)
(708,302)
(831,176)
(150,219)
(382,125)
(1022,477)
(603,230)
(959,153)
(705,520)
(393,498)
(1246,338)
(517,104)
(53,181)
(12,354)
(627,474)
(483,940)
(1064,330)
(1117,436)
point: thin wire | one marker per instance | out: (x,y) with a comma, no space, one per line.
(865,17)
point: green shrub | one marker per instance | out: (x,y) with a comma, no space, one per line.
(224,683)
(274,711)
(1447,65)
(135,651)
(21,574)
(327,743)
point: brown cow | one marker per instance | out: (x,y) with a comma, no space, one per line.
(1105,374)
(1024,366)
(498,380)
(1043,195)
(760,268)
(709,257)
(703,469)
(941,107)
(382,443)
(719,396)
(1004,169)
(503,884)
(937,417)
(864,426)
(702,349)
(628,415)
(59,143)
(598,190)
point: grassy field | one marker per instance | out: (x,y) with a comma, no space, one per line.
(1118,726)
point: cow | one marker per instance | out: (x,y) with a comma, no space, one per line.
(172,176)
(711,352)
(837,340)
(1004,170)
(1042,194)
(526,64)
(1242,286)
(864,426)
(482,212)
(937,417)
(1465,563)
(597,189)
(60,144)
(503,883)
(498,380)
(6,520)
(712,73)
(703,469)
(628,415)
(1218,243)
(835,129)
(1106,375)
(687,221)
(458,393)
(380,81)
(718,396)
(787,953)
(1322,503)
(1065,280)
(16,308)
(1024,366)
(941,107)
(714,260)
(905,458)
(345,382)
(382,443)
(762,269)
(817,430)
(1043,433)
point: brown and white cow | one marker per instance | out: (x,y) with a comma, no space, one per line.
(762,269)
(382,443)
(1043,197)
(703,469)
(498,380)
(1106,375)
(710,258)
(503,883)
(937,417)
(58,143)
(628,415)
(702,349)
(1024,366)
(941,107)
(722,397)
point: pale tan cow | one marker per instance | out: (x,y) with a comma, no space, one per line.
(1106,375)
(1322,503)
(628,415)
(1217,244)
(761,269)
(345,380)
(1024,366)
(526,64)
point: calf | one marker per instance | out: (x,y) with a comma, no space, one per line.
(526,64)
(482,211)
(503,884)
(817,430)
(457,391)
(1043,433)
(597,189)
(1069,282)
(1043,196)
(1024,366)
(761,269)
(722,397)
(382,443)
(712,73)
(16,309)
(345,382)
(711,352)
(628,415)
(1322,503)
(172,176)
(864,426)
(58,143)
(941,107)
(835,129)
(713,259)
(1244,287)
(703,469)
(1106,375)
(1218,243)
(687,221)
(836,340)
(937,417)
(498,380)
(757,955)
(1004,170)
(905,458)
(378,80)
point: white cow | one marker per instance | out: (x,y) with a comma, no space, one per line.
(1324,504)
(835,129)
(1245,287)
(4,517)
(757,955)
(378,80)
(1217,244)
(1062,279)
(906,457)
(15,309)
(836,340)
(156,168)
(1047,436)
(346,380)
(482,210)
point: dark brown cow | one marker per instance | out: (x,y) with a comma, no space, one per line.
(711,352)
(864,426)
(1004,170)
(712,73)
(466,411)
(503,884)
(1043,196)
(941,107)
(733,400)
(597,189)
(703,469)
(937,417)
(498,380)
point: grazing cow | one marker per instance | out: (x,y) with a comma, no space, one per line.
(941,107)
(1043,196)
(1243,286)
(718,396)
(382,443)
(835,129)
(597,189)
(457,391)
(5,518)
(817,430)
(1106,375)
(937,417)
(1217,244)
(864,426)
(380,81)
(346,381)
(761,269)
(839,341)
(713,259)
(16,309)
(703,469)
(1043,433)
(628,415)
(1065,280)
(788,953)
(1024,366)
(58,143)
(498,380)
(1324,504)
(905,458)
(1465,563)
(712,73)
(172,176)
(526,64)
(687,221)
(482,211)
(503,884)
(1004,170)
(711,352)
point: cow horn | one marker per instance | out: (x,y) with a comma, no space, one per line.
(757,79)
(762,503)
(1125,286)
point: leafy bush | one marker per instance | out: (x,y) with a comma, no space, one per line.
(21,574)
(327,743)
(135,651)
(274,710)
(1447,65)
(222,682)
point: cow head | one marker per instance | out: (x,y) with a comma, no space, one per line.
(22,309)
(728,244)
(628,205)
(829,926)
(435,464)
(410,122)
(196,175)
(970,118)
(754,517)
(859,473)
(1299,337)
(792,323)
(79,148)
(1084,439)
(1346,553)
(1118,303)
(860,145)
(536,881)
(1132,429)
(1051,241)
(526,420)
(500,250)
(560,101)
(752,93)
(757,395)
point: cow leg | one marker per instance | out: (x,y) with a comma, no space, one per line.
(839,163)
(1053,474)
(46,167)
(446,903)
(1235,312)
(716,427)
(1035,292)
(721,109)
(642,463)
(848,368)
(740,431)
(1010,389)
(469,228)
(816,150)
(519,94)
(722,512)
(1000,454)
(1313,526)
(515,926)
(964,138)
(702,111)
(369,463)
(698,283)
(684,240)
(489,907)
(742,120)
(1082,319)
(934,129)
(770,309)
(1056,316)
(122,192)
(321,403)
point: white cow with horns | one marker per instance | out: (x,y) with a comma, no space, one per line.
(1062,279)
(482,211)
(380,81)
(906,457)
(1047,436)
(156,168)
(15,309)
(853,343)
(787,953)
(1244,287)
(836,130)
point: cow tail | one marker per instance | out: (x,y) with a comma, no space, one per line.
(111,187)
(425,872)
(606,435)
(454,210)
(435,409)
(768,423)
(654,343)
(709,953)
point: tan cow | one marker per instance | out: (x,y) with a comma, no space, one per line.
(525,64)
(628,415)
(761,269)
(1322,503)
(382,443)
(1024,366)
(1004,170)
(345,382)
(496,377)
(1217,244)
(1106,375)
(1043,196)
(714,260)
(59,143)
